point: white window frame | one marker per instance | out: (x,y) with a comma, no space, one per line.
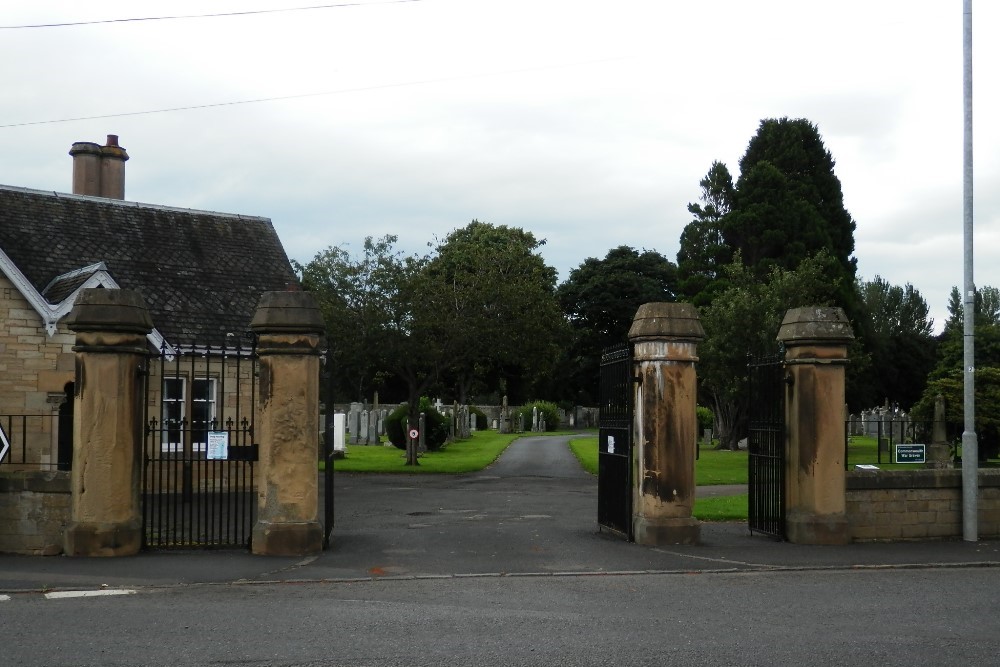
(179,407)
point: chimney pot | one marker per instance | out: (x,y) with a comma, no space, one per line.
(99,171)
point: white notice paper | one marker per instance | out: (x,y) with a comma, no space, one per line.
(218,445)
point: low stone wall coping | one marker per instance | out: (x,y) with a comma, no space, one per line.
(860,480)
(34,481)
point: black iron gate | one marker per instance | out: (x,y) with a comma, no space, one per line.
(199,451)
(766,446)
(614,458)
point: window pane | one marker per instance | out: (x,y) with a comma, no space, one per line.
(200,390)
(173,389)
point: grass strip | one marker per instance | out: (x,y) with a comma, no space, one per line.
(713,467)
(461,456)
(722,508)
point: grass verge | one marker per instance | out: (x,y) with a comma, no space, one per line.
(461,456)
(712,467)
(722,508)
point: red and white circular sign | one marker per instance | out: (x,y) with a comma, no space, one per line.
(414,434)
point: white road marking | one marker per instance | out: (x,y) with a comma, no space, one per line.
(88,594)
(4,598)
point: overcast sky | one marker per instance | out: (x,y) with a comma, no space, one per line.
(586,123)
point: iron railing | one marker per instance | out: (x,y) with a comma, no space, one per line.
(614,459)
(766,446)
(198,486)
(33,443)
(873,442)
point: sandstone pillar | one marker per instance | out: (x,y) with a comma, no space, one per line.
(665,428)
(289,327)
(815,342)
(111,327)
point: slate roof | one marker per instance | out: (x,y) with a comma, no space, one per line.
(201,273)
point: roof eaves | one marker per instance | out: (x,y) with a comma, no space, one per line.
(34,298)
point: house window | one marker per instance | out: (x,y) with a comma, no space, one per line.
(178,403)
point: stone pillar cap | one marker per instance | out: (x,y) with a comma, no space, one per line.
(100,309)
(812,324)
(280,312)
(675,321)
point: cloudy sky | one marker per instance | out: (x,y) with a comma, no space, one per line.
(588,123)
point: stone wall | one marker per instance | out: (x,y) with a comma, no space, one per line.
(917,504)
(34,512)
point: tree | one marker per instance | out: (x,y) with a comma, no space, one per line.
(947,377)
(743,320)
(786,207)
(900,342)
(951,348)
(357,296)
(500,303)
(702,253)
(599,300)
(788,203)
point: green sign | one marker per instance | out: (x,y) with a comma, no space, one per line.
(910,454)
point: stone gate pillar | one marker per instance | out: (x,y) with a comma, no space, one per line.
(289,327)
(665,428)
(111,327)
(816,341)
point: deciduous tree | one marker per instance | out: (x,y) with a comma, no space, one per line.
(599,299)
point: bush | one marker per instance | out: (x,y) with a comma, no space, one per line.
(549,410)
(435,425)
(706,419)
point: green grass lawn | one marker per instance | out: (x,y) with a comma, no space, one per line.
(712,467)
(470,455)
(722,508)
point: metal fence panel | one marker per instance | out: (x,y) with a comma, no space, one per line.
(614,458)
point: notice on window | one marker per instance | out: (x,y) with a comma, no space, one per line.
(218,445)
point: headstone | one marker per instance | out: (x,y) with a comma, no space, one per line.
(339,435)
(354,423)
(363,427)
(938,452)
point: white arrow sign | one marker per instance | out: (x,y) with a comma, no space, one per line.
(4,444)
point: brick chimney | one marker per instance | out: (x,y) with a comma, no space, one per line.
(99,171)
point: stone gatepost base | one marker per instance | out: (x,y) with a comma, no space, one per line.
(667,531)
(103,539)
(287,538)
(809,528)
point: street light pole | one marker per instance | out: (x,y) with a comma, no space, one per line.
(970,446)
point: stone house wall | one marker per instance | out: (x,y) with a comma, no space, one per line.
(34,371)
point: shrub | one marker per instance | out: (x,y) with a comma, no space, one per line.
(435,425)
(706,419)
(549,410)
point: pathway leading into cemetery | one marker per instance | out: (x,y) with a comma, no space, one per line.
(533,510)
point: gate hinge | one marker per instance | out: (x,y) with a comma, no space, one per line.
(637,379)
